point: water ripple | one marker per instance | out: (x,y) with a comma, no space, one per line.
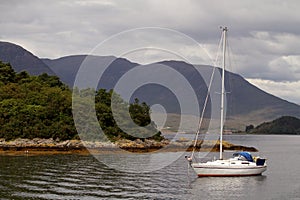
(80,177)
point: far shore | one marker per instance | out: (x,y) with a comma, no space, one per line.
(39,146)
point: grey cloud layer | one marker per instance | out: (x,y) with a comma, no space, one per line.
(265,36)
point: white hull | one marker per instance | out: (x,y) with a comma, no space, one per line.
(225,168)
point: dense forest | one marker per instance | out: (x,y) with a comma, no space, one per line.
(41,107)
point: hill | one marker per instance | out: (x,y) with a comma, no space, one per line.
(22,60)
(282,125)
(67,67)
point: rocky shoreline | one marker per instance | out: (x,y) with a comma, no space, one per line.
(50,146)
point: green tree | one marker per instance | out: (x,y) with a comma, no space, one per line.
(7,74)
(41,106)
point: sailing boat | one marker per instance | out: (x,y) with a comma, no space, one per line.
(242,163)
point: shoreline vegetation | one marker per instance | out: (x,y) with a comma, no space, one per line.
(36,117)
(39,146)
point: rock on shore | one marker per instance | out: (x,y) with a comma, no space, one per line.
(38,145)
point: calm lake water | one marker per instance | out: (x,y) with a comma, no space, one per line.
(84,177)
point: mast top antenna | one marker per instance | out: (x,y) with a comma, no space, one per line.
(224,28)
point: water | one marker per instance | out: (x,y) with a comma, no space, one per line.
(84,177)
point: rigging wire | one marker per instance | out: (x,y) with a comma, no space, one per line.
(232,63)
(207,97)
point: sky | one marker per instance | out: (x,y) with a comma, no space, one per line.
(264,36)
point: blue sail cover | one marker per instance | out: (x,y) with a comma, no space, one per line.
(247,155)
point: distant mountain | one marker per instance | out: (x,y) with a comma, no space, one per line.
(282,125)
(246,104)
(22,60)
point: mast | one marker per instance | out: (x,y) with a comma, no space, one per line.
(222,93)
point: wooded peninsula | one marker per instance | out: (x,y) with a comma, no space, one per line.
(41,107)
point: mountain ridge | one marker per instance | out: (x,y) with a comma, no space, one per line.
(22,60)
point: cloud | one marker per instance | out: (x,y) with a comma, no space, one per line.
(264,36)
(265,55)
(284,90)
(285,68)
(90,22)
